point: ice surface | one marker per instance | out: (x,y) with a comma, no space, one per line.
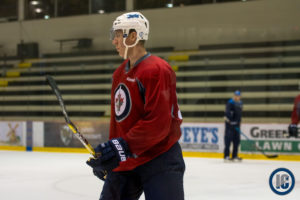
(65,176)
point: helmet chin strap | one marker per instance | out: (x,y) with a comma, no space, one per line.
(128,46)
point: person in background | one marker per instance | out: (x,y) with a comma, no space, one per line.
(143,153)
(233,116)
(295,118)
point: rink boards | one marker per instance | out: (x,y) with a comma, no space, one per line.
(197,140)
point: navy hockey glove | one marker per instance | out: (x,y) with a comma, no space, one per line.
(98,172)
(111,154)
(293,130)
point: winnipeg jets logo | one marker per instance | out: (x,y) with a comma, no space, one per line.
(122,102)
(119,102)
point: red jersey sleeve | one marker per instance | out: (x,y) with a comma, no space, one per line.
(295,118)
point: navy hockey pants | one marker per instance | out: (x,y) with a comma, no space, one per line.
(231,136)
(160,179)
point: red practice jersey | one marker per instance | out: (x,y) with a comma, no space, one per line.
(144,109)
(295,118)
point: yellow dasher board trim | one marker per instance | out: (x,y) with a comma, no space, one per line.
(24,65)
(242,155)
(60,149)
(178,58)
(12,74)
(185,153)
(13,148)
(3,83)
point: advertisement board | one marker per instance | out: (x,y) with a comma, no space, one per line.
(270,138)
(11,133)
(209,137)
(198,137)
(205,137)
(59,134)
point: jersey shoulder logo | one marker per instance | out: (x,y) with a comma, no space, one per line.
(122,102)
(130,79)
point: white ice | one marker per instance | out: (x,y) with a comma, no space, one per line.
(65,176)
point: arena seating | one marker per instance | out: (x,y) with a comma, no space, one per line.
(267,73)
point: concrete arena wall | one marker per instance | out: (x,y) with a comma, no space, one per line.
(181,27)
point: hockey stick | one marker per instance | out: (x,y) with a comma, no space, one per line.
(255,145)
(73,128)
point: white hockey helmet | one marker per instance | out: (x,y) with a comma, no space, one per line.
(127,22)
(132,20)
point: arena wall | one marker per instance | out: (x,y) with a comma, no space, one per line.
(181,27)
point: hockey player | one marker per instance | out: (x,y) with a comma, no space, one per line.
(233,116)
(295,118)
(143,153)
